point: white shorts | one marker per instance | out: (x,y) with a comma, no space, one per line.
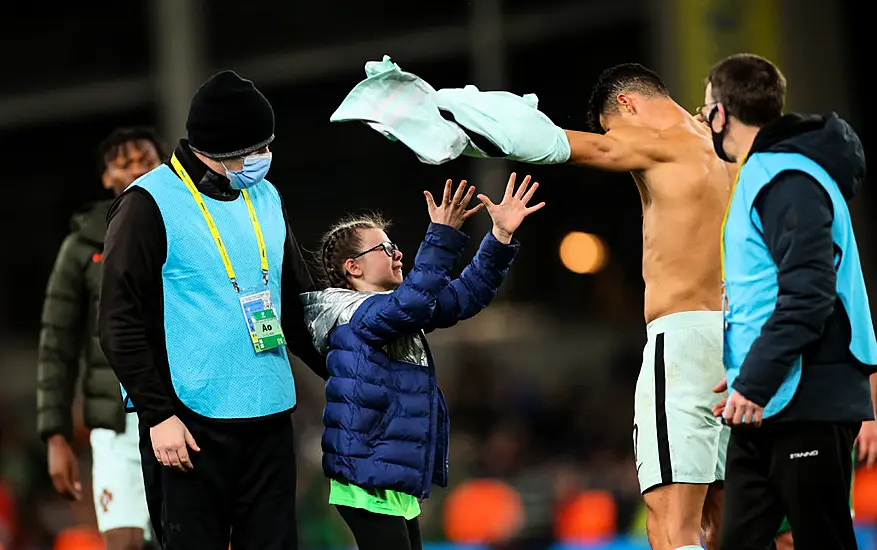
(676,438)
(117,479)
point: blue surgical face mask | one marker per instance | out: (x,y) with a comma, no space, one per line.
(254,170)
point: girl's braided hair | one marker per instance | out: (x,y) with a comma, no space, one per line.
(342,242)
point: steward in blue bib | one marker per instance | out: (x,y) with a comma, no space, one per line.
(799,339)
(199,310)
(192,318)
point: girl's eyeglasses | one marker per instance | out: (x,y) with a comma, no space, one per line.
(389,248)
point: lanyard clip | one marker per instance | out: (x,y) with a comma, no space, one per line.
(234,283)
(265,277)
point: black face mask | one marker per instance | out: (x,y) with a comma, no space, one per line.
(719,137)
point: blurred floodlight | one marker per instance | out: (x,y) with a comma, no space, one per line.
(583,252)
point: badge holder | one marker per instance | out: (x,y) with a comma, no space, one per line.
(261,318)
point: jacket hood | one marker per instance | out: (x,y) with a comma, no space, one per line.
(326,309)
(828,140)
(91,222)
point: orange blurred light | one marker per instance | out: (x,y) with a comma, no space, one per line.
(482,511)
(583,252)
(865,494)
(79,538)
(588,518)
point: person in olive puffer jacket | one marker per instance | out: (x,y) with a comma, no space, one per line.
(69,334)
(69,341)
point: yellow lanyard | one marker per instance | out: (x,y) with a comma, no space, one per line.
(727,212)
(263,254)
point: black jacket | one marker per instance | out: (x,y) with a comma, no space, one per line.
(131,316)
(809,319)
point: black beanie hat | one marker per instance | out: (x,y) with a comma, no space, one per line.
(229,118)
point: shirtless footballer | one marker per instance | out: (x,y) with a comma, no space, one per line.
(679,445)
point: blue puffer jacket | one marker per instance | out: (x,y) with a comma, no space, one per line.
(386,422)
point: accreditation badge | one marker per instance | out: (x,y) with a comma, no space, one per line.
(261,318)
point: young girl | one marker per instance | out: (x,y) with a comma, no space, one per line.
(386,423)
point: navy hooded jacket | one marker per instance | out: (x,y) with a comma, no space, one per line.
(386,421)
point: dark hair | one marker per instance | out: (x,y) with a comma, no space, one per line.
(111,146)
(624,78)
(751,88)
(342,242)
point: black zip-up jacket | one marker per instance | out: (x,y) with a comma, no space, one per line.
(809,319)
(131,315)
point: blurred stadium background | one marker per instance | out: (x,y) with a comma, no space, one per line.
(541,384)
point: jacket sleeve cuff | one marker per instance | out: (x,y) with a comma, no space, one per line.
(754,393)
(503,254)
(45,435)
(154,418)
(439,234)
(54,422)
